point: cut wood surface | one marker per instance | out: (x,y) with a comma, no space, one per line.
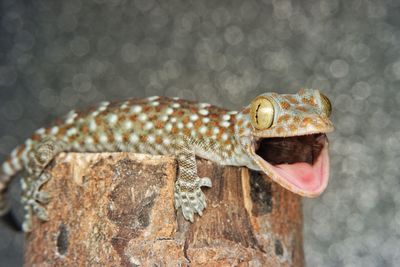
(116,209)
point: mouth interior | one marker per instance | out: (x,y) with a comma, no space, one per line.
(301,161)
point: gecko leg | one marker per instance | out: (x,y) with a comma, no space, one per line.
(40,156)
(188,194)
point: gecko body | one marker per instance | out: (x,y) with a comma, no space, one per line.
(185,129)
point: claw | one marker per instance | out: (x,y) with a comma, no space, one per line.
(191,202)
(43,178)
(27,224)
(177,202)
(42,197)
(40,211)
(205,181)
(33,199)
(199,211)
(188,214)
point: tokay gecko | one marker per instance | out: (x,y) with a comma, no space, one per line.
(254,137)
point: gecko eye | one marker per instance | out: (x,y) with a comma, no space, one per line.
(326,105)
(262,113)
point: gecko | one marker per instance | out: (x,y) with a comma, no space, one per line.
(295,124)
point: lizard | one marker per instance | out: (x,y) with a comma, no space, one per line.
(251,137)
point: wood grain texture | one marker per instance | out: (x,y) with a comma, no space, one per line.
(116,209)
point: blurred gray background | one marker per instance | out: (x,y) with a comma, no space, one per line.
(58,55)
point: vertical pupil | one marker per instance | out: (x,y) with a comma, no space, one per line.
(258,107)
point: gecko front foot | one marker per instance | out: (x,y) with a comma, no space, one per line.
(190,197)
(33,199)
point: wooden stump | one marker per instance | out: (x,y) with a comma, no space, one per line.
(116,209)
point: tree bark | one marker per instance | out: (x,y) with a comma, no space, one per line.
(116,209)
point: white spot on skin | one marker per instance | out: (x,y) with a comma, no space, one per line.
(233,112)
(54,130)
(203,112)
(69,120)
(150,139)
(163,118)
(112,119)
(168,127)
(169,111)
(189,125)
(166,141)
(142,117)
(176,105)
(206,120)
(28,142)
(179,125)
(226,117)
(224,136)
(41,131)
(154,104)
(24,155)
(204,105)
(72,131)
(216,130)
(104,104)
(194,117)
(77,146)
(16,164)
(102,108)
(118,137)
(128,124)
(136,109)
(133,138)
(92,125)
(225,124)
(103,138)
(152,98)
(14,152)
(124,105)
(173,120)
(203,129)
(71,117)
(7,168)
(89,140)
(148,125)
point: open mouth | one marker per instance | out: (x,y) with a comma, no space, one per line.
(298,163)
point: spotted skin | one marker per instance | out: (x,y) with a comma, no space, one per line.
(155,125)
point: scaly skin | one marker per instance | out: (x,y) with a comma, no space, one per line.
(162,126)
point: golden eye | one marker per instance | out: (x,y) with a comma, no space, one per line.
(326,105)
(262,113)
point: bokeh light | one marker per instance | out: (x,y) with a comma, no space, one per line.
(56,56)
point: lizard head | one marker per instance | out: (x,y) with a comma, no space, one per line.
(285,136)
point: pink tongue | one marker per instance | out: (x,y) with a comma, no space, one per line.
(302,174)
